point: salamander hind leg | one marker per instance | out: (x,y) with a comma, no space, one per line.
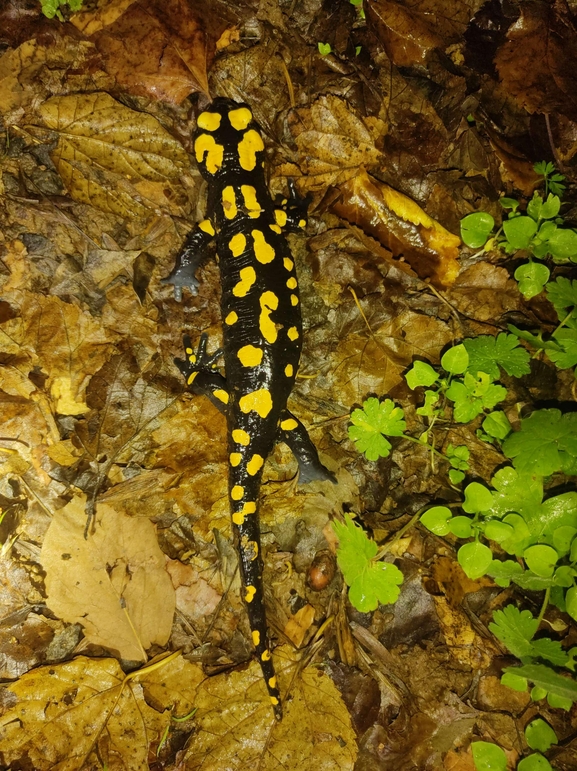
(292,432)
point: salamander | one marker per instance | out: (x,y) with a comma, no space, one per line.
(262,331)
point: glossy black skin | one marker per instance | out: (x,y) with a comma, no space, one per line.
(270,375)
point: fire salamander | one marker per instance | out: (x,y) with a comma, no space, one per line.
(262,331)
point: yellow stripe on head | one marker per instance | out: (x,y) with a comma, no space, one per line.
(248,147)
(209,121)
(209,152)
(240,118)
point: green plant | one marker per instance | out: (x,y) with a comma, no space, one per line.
(490,757)
(540,231)
(370,581)
(324,49)
(51,8)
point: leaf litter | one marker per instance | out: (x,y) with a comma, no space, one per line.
(418,116)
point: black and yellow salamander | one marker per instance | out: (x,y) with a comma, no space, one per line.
(262,331)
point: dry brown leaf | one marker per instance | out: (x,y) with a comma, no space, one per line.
(299,624)
(20,64)
(463,642)
(114,158)
(195,597)
(485,292)
(405,33)
(236,727)
(114,582)
(155,49)
(332,142)
(400,225)
(83,714)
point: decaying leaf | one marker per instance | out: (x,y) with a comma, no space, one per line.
(401,225)
(236,728)
(112,157)
(114,582)
(332,141)
(406,35)
(86,713)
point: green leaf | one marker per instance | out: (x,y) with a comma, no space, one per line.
(532,277)
(487,354)
(545,677)
(324,48)
(498,531)
(515,683)
(550,208)
(437,519)
(458,456)
(514,628)
(519,231)
(534,206)
(563,244)
(476,228)
(546,443)
(497,425)
(369,424)
(370,582)
(562,293)
(475,559)
(541,559)
(456,477)
(461,527)
(488,757)
(562,537)
(473,395)
(571,602)
(428,409)
(477,498)
(455,360)
(539,735)
(535,340)
(509,203)
(504,572)
(421,374)
(534,762)
(567,340)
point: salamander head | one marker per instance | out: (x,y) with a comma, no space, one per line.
(227,140)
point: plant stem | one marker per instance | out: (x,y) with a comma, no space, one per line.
(544,606)
(432,449)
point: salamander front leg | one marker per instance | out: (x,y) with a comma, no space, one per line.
(293,433)
(201,373)
(193,253)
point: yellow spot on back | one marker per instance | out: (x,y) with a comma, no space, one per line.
(209,121)
(268,304)
(302,223)
(288,370)
(248,147)
(250,356)
(266,655)
(275,228)
(293,333)
(272,682)
(231,318)
(250,593)
(249,195)
(239,516)
(237,244)
(235,458)
(237,492)
(229,202)
(240,118)
(273,701)
(207,227)
(221,395)
(240,436)
(289,424)
(249,507)
(263,251)
(209,152)
(294,299)
(259,401)
(288,263)
(292,283)
(280,217)
(247,279)
(254,465)
(256,638)
(191,378)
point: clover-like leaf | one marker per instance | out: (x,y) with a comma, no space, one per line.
(370,582)
(421,374)
(476,228)
(371,424)
(532,277)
